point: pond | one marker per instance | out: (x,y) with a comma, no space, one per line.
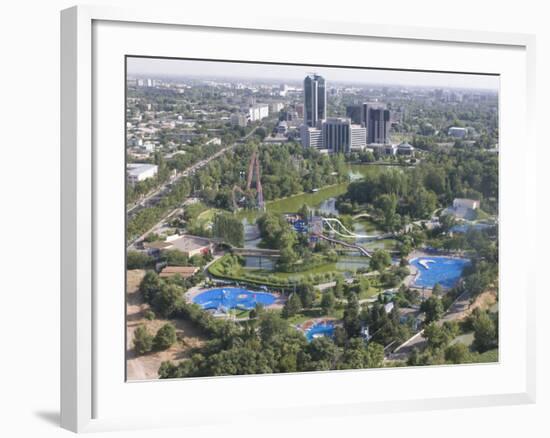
(352,263)
(256,262)
(324,199)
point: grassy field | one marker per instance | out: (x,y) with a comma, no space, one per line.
(488,356)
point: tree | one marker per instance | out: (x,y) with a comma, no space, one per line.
(435,336)
(167,370)
(322,352)
(375,355)
(439,336)
(380,260)
(257,311)
(175,257)
(287,258)
(138,260)
(307,294)
(388,204)
(292,306)
(229,229)
(271,326)
(304,212)
(433,309)
(339,287)
(327,302)
(423,203)
(437,290)
(150,285)
(352,321)
(364,285)
(457,353)
(485,332)
(166,300)
(165,337)
(143,340)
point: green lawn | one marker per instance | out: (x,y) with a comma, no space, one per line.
(465,339)
(372,292)
(488,356)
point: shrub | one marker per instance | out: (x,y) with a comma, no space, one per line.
(165,337)
(143,340)
(149,315)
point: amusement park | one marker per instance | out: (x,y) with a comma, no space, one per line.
(285,247)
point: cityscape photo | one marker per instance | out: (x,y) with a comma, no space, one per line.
(294,218)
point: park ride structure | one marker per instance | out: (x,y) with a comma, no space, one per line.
(336,228)
(339,229)
(253,168)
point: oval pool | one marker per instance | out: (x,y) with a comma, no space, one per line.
(233,298)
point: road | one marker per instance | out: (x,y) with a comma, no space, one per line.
(153,198)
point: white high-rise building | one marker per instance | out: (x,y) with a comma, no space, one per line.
(258,112)
(358,137)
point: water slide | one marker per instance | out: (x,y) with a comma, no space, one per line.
(347,233)
(361,250)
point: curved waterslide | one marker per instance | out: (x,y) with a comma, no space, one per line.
(361,250)
(330,221)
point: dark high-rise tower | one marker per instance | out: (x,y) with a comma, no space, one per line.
(378,125)
(315,100)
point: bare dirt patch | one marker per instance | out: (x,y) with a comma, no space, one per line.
(146,367)
(485,300)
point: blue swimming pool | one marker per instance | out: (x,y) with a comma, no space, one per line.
(325,328)
(233,298)
(443,270)
(464,228)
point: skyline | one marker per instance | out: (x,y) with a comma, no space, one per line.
(162,67)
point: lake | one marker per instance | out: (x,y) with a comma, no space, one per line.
(324,199)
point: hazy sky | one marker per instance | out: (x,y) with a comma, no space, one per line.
(234,70)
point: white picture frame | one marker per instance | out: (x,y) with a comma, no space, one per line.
(83,369)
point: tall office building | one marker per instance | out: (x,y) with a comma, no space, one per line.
(374,117)
(355,113)
(315,100)
(341,136)
(378,125)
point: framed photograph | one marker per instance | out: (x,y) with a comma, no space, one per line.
(298,217)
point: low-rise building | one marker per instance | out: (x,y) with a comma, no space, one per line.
(189,245)
(137,172)
(463,208)
(311,137)
(182,271)
(383,149)
(282,127)
(238,119)
(216,141)
(457,132)
(465,203)
(405,149)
